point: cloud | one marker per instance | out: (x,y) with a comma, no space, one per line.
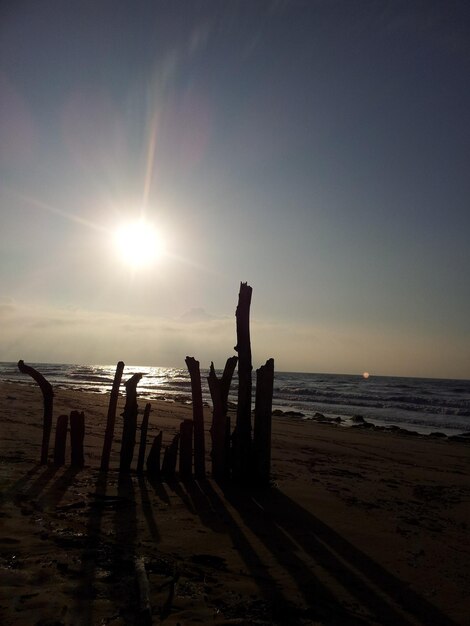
(60,335)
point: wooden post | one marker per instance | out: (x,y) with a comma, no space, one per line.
(77,435)
(60,439)
(198,417)
(143,438)
(186,448)
(242,433)
(48,398)
(219,390)
(262,426)
(153,459)
(109,434)
(130,423)
(170,457)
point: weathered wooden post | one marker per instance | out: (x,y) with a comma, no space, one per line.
(198,417)
(143,438)
(153,459)
(130,423)
(170,457)
(109,434)
(186,448)
(219,390)
(48,398)
(77,435)
(60,439)
(262,425)
(242,432)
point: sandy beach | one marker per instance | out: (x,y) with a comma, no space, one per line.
(358,527)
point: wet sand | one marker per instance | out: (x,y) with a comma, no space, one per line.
(358,527)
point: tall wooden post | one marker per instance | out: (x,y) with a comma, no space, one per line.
(242,433)
(130,423)
(109,434)
(219,389)
(198,417)
(143,438)
(48,398)
(77,435)
(186,448)
(262,426)
(60,439)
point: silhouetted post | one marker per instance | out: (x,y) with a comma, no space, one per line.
(48,398)
(242,432)
(198,417)
(60,439)
(170,457)
(186,448)
(130,423)
(263,418)
(153,459)
(143,438)
(109,434)
(219,390)
(77,435)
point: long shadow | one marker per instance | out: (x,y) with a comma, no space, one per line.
(291,516)
(282,608)
(85,593)
(40,483)
(56,491)
(13,489)
(273,517)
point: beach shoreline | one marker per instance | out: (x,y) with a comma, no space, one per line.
(359,526)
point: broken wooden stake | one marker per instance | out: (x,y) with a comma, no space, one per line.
(60,440)
(145,608)
(130,423)
(143,438)
(48,398)
(186,448)
(262,425)
(153,459)
(110,421)
(77,435)
(198,417)
(220,428)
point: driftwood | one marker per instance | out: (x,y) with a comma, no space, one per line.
(143,438)
(186,448)
(60,439)
(109,434)
(262,425)
(153,459)
(130,423)
(220,428)
(145,608)
(198,417)
(77,435)
(170,457)
(48,398)
(242,433)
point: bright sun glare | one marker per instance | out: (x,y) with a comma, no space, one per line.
(138,244)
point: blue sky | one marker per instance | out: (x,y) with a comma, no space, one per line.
(318,150)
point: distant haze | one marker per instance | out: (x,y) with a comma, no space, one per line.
(318,150)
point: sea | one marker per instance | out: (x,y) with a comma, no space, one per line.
(418,404)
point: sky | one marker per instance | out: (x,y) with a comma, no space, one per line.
(317,149)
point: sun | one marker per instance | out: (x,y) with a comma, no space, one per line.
(138,244)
